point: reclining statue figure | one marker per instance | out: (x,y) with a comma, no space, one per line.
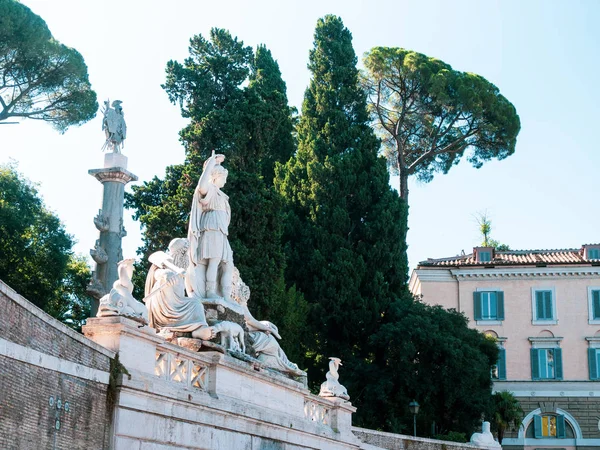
(263,333)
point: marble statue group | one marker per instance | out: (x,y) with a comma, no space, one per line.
(196,272)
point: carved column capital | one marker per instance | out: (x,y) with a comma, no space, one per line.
(113,174)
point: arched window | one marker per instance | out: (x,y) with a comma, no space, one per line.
(546,426)
(549,425)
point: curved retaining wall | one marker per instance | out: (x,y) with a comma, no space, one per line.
(53,381)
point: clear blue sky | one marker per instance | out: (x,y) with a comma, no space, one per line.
(543,55)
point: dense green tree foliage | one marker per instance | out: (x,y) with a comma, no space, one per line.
(37,260)
(343,228)
(344,237)
(345,240)
(40,78)
(237,105)
(432,356)
(430,114)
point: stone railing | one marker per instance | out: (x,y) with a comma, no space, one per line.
(187,371)
(316,411)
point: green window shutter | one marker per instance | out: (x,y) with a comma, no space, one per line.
(539,302)
(537,426)
(548,302)
(500,305)
(477,305)
(535,365)
(558,372)
(596,304)
(502,364)
(593,363)
(560,427)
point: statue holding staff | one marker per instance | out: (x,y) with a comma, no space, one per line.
(210,254)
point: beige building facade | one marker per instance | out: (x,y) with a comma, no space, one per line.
(543,308)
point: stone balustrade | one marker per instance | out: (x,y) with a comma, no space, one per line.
(174,395)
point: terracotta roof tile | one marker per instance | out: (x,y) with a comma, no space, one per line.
(513,258)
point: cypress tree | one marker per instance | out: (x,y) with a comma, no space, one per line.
(344,237)
(247,125)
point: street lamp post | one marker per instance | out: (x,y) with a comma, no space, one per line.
(414,409)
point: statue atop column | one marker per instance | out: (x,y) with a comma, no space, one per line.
(113,125)
(109,220)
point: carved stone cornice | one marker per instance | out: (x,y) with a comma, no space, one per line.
(117,174)
(526,272)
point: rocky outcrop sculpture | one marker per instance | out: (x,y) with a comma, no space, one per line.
(119,301)
(332,387)
(485,439)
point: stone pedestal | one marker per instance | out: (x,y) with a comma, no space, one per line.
(109,222)
(172,397)
(135,343)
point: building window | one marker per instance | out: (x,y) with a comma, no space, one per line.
(488,305)
(594,363)
(549,426)
(499,369)
(546,364)
(543,301)
(543,304)
(594,304)
(485,256)
(593,253)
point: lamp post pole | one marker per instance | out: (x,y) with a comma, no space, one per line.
(414,409)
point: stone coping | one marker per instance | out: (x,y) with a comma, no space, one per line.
(184,397)
(413,438)
(59,326)
(124,325)
(266,376)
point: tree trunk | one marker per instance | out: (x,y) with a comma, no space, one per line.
(404,185)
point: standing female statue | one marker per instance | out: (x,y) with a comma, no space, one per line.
(210,253)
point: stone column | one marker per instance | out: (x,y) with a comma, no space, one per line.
(108,252)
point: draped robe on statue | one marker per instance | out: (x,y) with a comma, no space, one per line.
(170,308)
(270,353)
